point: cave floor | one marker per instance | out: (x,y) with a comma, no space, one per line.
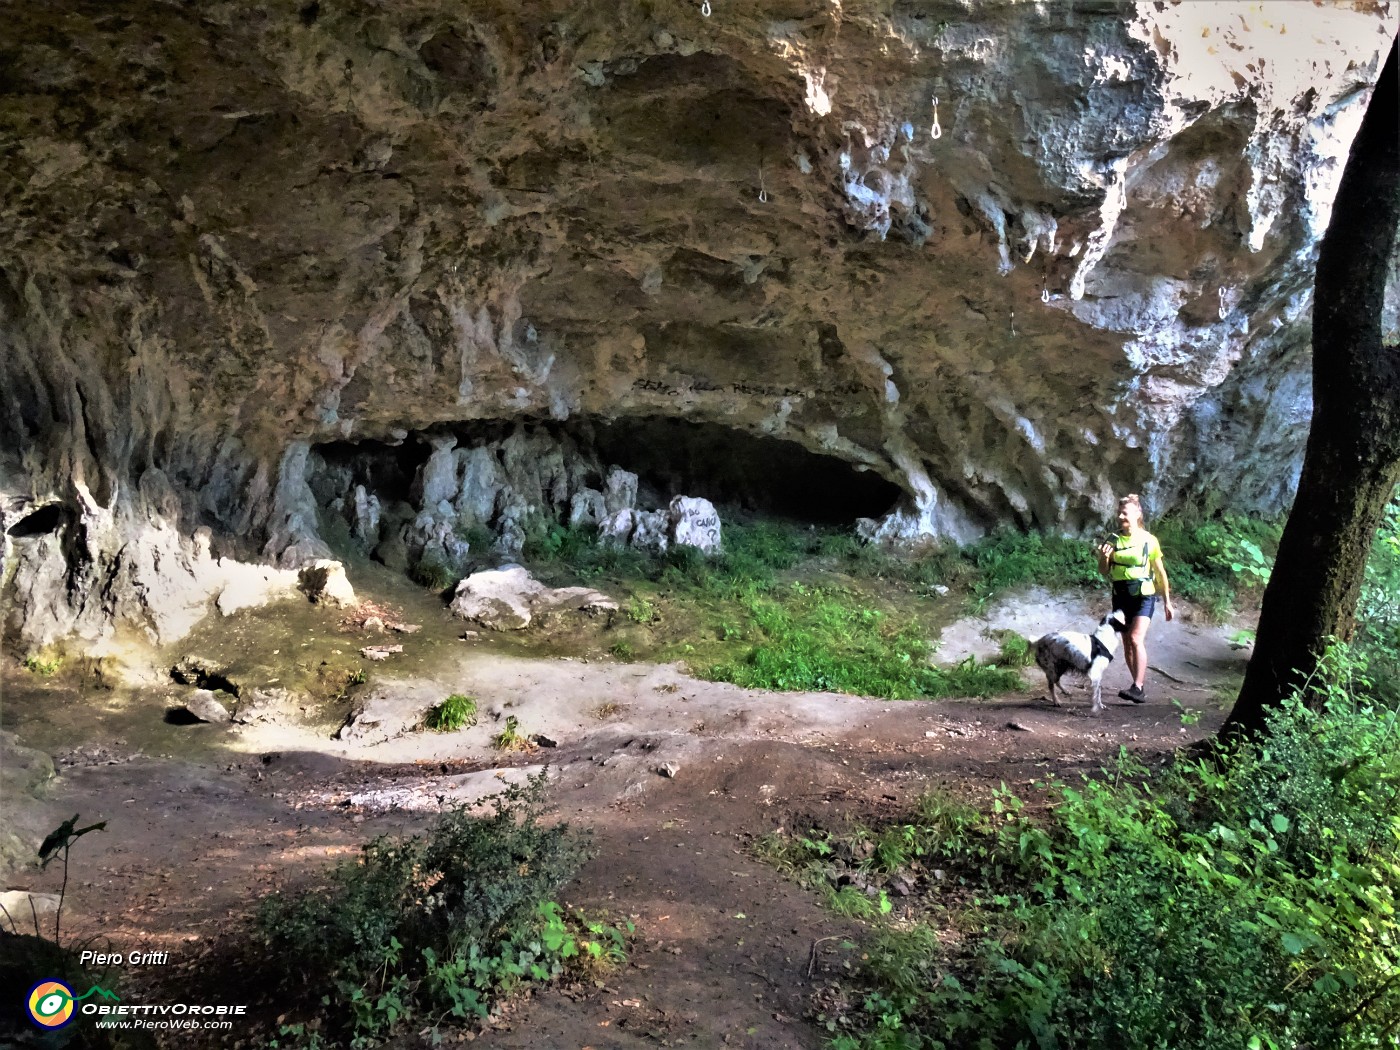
(203,820)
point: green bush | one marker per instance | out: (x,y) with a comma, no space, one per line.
(1217,562)
(44,664)
(1244,902)
(456,712)
(1378,610)
(432,927)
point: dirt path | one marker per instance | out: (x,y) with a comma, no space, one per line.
(203,819)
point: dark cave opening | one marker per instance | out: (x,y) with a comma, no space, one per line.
(433,507)
(744,473)
(749,473)
(385,469)
(48,518)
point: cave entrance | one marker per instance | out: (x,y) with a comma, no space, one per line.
(751,473)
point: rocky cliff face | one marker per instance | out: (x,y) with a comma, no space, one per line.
(256,259)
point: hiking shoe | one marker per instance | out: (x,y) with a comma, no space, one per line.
(1134,694)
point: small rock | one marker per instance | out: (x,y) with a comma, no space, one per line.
(202,704)
(373,623)
(668,769)
(406,628)
(380,652)
(18,904)
(324,582)
(543,741)
(468,636)
(1018,727)
(940,590)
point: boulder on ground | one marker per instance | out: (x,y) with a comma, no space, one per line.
(620,490)
(651,530)
(695,523)
(248,586)
(24,817)
(265,704)
(205,706)
(509,598)
(616,529)
(587,508)
(324,583)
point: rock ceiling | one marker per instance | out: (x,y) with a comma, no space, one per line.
(230,233)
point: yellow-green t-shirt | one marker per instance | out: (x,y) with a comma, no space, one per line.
(1132,559)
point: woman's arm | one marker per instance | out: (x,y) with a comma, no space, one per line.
(1105,555)
(1159,573)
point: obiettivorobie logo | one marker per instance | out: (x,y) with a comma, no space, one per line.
(51,1003)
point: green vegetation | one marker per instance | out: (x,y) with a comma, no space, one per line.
(1220,562)
(816,639)
(1244,901)
(1378,611)
(432,928)
(456,712)
(435,575)
(44,664)
(1014,650)
(809,609)
(510,738)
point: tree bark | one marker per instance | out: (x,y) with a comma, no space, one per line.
(1352,460)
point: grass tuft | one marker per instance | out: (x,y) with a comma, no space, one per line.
(456,712)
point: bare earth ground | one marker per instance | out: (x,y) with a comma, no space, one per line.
(203,820)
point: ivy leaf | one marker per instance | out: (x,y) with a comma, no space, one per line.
(1280,823)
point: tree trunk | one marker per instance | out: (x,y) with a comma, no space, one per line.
(1352,461)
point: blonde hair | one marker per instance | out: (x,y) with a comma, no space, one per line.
(1132,500)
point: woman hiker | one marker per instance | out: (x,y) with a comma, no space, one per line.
(1133,561)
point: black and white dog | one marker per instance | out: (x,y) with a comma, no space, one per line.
(1086,654)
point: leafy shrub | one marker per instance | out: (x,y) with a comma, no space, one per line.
(44,664)
(1244,902)
(433,927)
(1378,610)
(1217,561)
(454,713)
(642,610)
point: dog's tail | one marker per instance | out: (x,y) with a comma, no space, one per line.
(1017,650)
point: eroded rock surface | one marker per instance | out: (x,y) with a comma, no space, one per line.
(510,599)
(245,247)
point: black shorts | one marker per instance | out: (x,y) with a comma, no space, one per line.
(1133,605)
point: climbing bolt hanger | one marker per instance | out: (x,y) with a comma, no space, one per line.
(1224,311)
(1045,289)
(705,8)
(935,132)
(762,190)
